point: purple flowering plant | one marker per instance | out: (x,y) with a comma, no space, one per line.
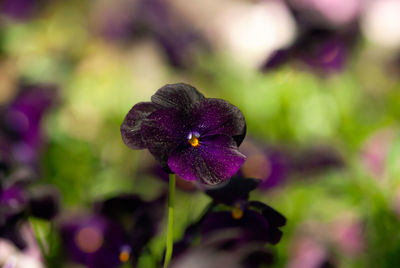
(234,225)
(19,202)
(114,233)
(189,135)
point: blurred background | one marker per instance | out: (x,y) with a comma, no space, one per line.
(317,81)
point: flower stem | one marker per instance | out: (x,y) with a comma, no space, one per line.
(39,239)
(170,230)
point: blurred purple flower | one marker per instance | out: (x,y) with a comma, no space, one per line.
(93,241)
(21,9)
(323,50)
(271,165)
(333,13)
(251,226)
(195,137)
(255,220)
(327,32)
(17,204)
(275,165)
(316,159)
(21,135)
(234,225)
(115,233)
(121,21)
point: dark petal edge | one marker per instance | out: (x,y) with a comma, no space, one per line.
(274,217)
(131,127)
(179,96)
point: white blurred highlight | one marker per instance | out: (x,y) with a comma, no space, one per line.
(381,23)
(249,33)
(11,257)
(336,11)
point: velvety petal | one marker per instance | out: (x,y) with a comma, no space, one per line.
(252,226)
(117,207)
(44,203)
(274,217)
(163,131)
(215,160)
(131,127)
(235,189)
(216,116)
(178,96)
(257,258)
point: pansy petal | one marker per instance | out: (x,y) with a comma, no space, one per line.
(235,189)
(44,203)
(274,217)
(119,206)
(215,160)
(162,131)
(252,226)
(179,96)
(257,258)
(130,128)
(217,116)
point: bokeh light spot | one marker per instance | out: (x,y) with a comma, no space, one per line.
(89,239)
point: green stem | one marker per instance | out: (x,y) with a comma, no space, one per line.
(170,230)
(39,240)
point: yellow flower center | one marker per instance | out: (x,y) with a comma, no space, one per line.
(124,256)
(194,141)
(237,212)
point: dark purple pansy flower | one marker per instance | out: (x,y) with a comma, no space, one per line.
(190,135)
(114,233)
(232,223)
(255,220)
